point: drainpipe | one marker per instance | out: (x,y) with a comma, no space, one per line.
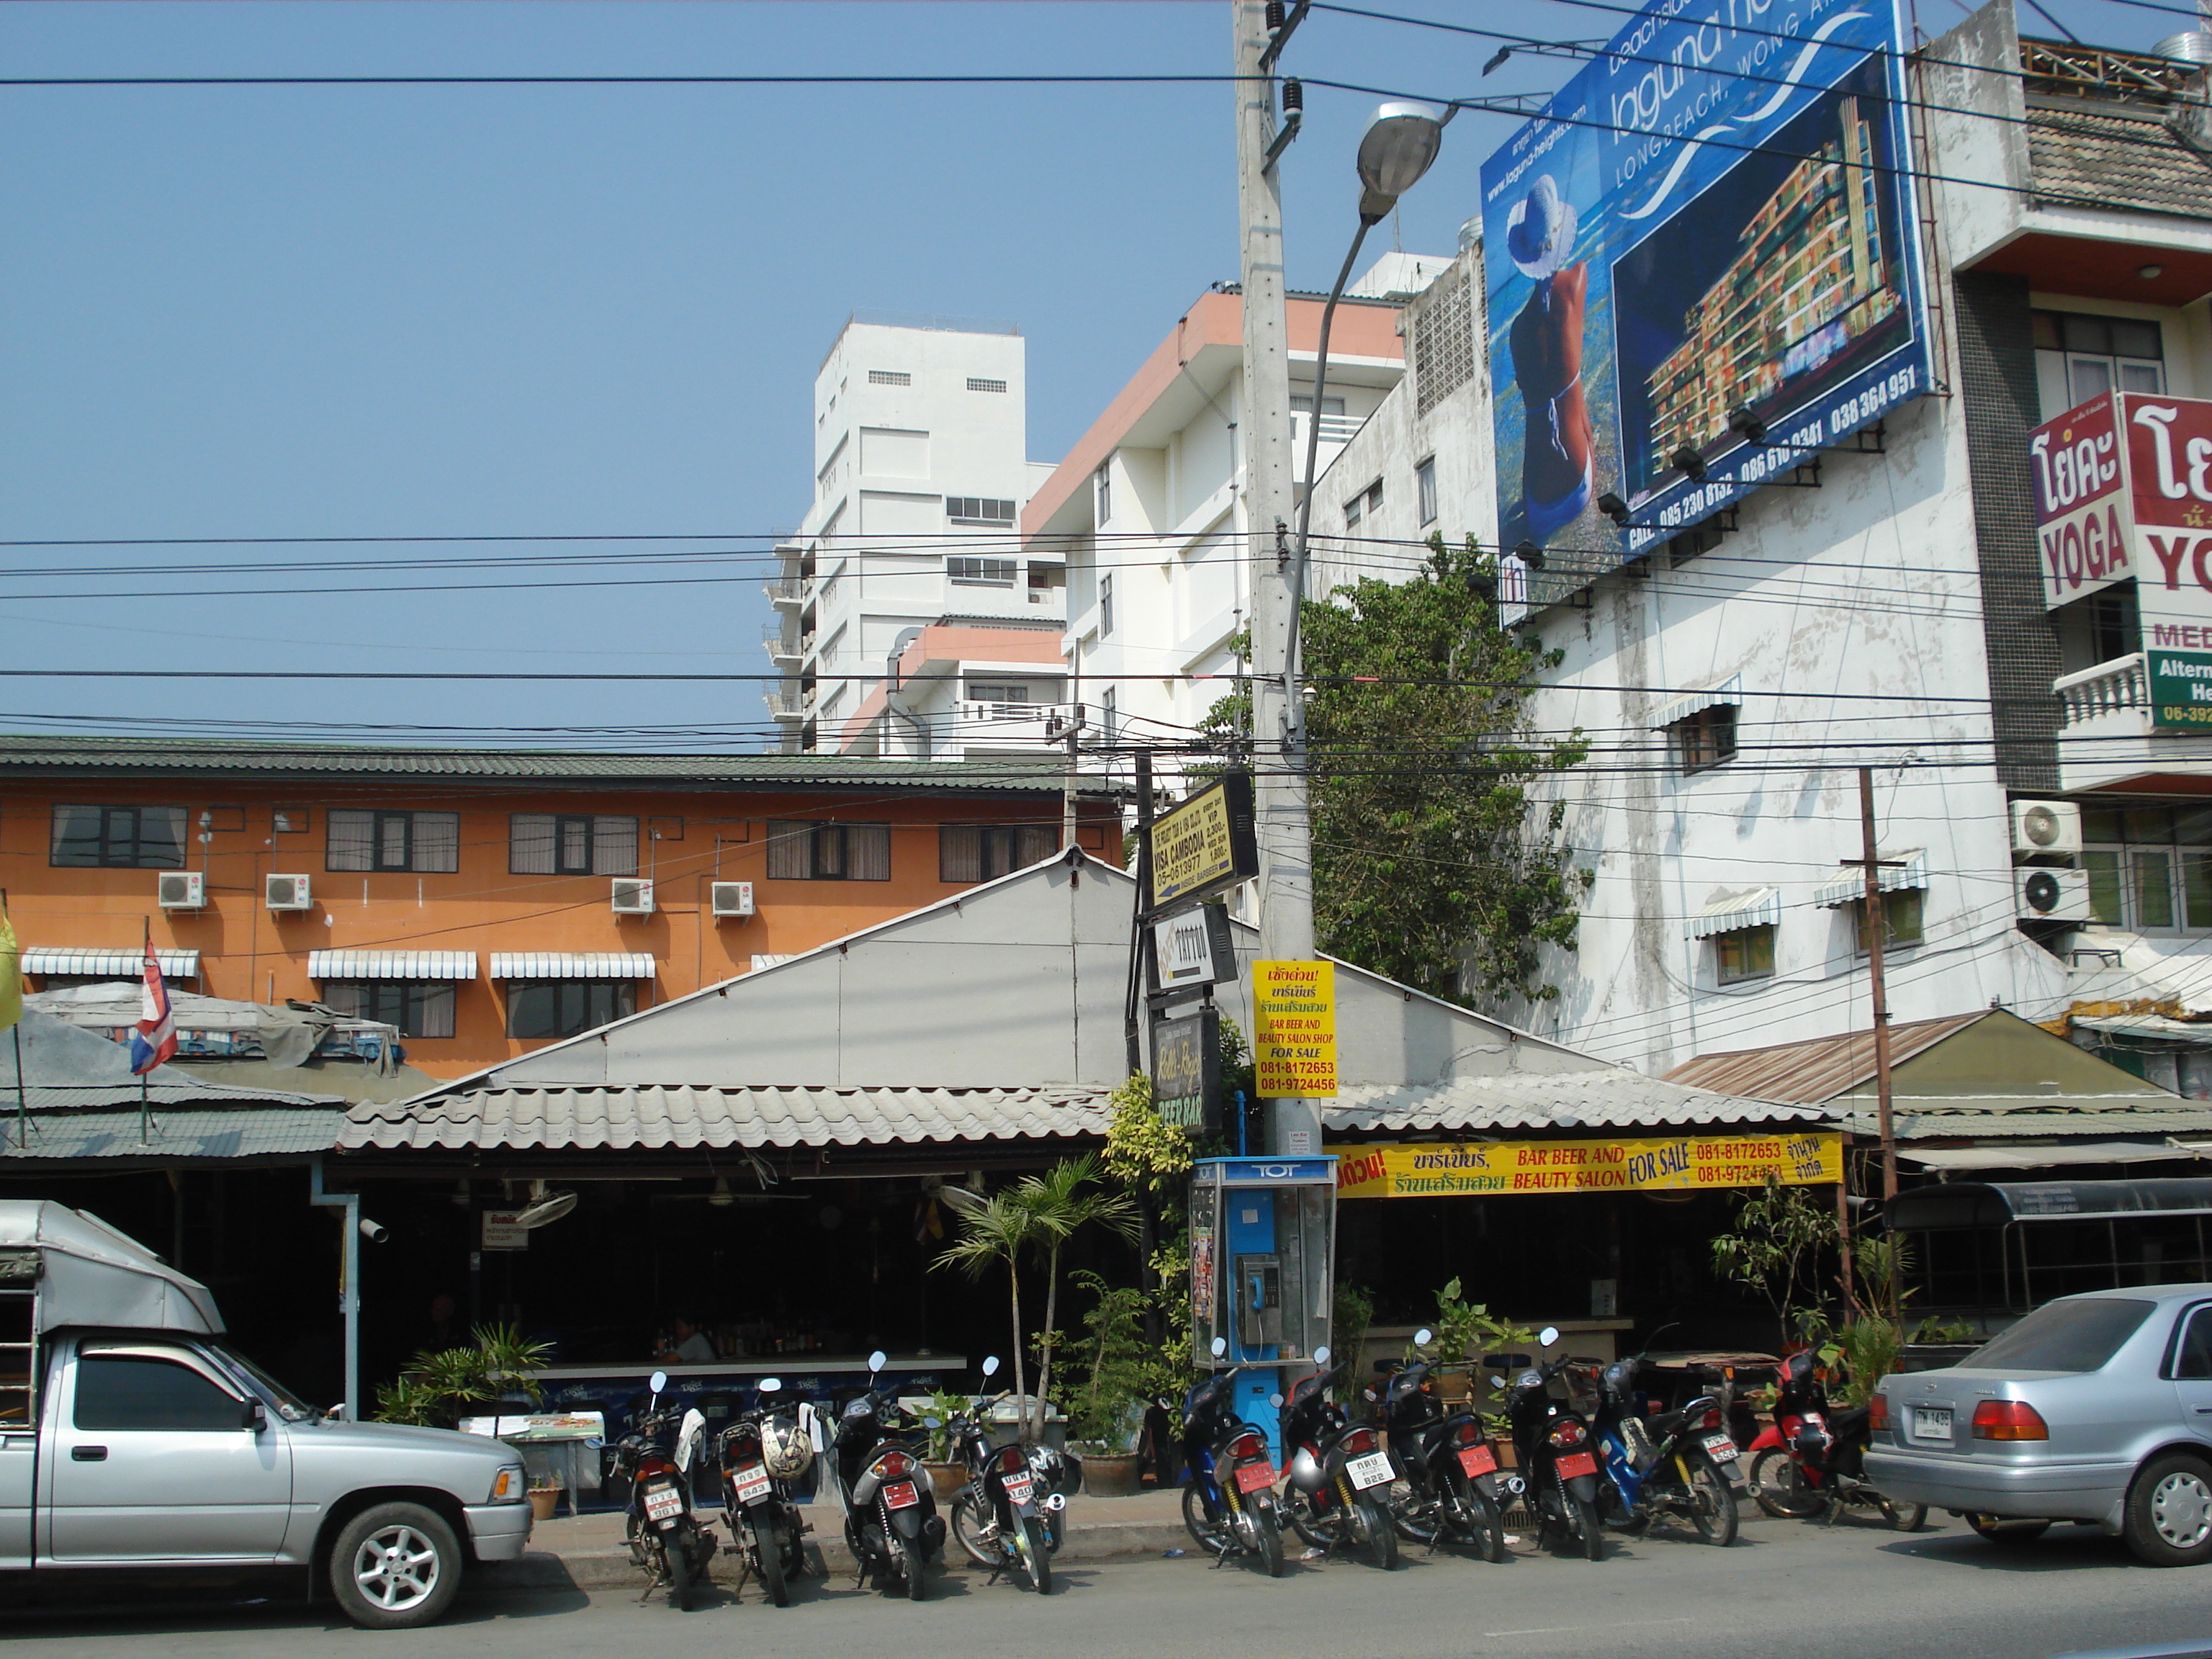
(349,1235)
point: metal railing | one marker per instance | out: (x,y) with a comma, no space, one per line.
(785,590)
(2107,689)
(785,706)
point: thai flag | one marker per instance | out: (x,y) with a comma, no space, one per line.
(155,1040)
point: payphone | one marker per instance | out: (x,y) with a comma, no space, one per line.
(1262,1240)
(1258,1301)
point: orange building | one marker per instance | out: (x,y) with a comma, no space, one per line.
(486,901)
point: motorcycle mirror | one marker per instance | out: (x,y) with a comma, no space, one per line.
(1276,1400)
(771,1384)
(1321,1356)
(658,1381)
(1548,1335)
(933,1422)
(1423,1337)
(991,1366)
(1220,1346)
(876,1361)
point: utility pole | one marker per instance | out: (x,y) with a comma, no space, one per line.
(1877,925)
(1285,832)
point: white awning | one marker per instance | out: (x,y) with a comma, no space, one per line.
(1756,907)
(110,965)
(391,964)
(559,964)
(1730,691)
(1910,871)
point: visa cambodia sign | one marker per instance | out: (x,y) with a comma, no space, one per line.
(2123,493)
(1714,216)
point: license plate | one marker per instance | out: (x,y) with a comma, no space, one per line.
(751,1485)
(663,1503)
(1932,1423)
(1571,1464)
(1720,1449)
(1373,1470)
(1019,1489)
(901,1495)
(1478,1459)
(1255,1477)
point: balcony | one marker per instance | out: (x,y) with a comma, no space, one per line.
(2106,739)
(1027,728)
(785,591)
(786,705)
(781,654)
(1336,431)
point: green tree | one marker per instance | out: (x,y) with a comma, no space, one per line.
(994,1231)
(1433,862)
(1061,1202)
(1775,1246)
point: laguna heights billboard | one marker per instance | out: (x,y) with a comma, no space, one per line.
(1716,214)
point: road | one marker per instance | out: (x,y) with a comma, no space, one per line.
(1786,1588)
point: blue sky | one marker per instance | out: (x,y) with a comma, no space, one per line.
(408,311)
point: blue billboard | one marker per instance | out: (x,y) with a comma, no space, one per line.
(1709,232)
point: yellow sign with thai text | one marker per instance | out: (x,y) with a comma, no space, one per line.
(1518,1168)
(1294,1029)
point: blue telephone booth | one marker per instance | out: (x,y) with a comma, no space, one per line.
(1262,1239)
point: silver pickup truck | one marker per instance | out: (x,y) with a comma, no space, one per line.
(133,1440)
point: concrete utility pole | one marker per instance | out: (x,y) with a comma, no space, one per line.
(1287,924)
(1877,926)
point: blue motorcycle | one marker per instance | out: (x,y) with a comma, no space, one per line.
(1659,1462)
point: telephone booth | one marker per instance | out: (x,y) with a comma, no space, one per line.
(1262,1239)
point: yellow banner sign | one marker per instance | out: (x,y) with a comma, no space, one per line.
(1511,1169)
(1294,1029)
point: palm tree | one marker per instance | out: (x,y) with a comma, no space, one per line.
(1057,1207)
(992,1230)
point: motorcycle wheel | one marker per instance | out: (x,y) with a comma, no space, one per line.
(1584,1520)
(768,1551)
(1417,1516)
(976,1543)
(1712,1503)
(1488,1524)
(910,1564)
(1305,1522)
(1036,1560)
(1778,1484)
(1210,1536)
(1905,1517)
(678,1559)
(1380,1538)
(1268,1533)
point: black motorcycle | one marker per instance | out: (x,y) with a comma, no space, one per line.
(664,1540)
(765,1452)
(1228,1491)
(891,1523)
(1340,1476)
(1447,1490)
(1550,1408)
(1000,1519)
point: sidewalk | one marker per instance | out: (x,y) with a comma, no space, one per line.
(587,1552)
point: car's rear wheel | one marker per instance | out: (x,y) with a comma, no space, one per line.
(395,1567)
(2169,1511)
(2002,1530)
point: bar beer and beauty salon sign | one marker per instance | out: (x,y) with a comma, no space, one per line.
(1526,1168)
(2123,491)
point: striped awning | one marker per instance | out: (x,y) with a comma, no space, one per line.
(1758,907)
(1910,871)
(391,964)
(110,965)
(1729,690)
(560,965)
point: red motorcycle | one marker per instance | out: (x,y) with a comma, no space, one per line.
(1811,1459)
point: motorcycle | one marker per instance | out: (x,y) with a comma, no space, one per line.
(1549,1407)
(1811,1459)
(1000,1519)
(763,1454)
(1236,1516)
(1663,1462)
(891,1523)
(1446,1490)
(664,1540)
(1340,1476)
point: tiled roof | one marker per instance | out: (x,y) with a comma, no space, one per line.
(1811,1071)
(1604,1098)
(179,1133)
(2103,157)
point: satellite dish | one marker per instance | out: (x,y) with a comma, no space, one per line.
(1220,1346)
(1548,1335)
(544,1207)
(1321,1356)
(876,1361)
(991,1366)
(1423,1337)
(658,1381)
(771,1384)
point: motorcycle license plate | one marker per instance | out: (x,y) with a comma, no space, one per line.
(1932,1423)
(750,1484)
(663,1503)
(1372,1470)
(901,1495)
(1571,1464)
(1255,1477)
(1720,1449)
(1019,1489)
(1478,1459)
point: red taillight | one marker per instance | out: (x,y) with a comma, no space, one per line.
(895,1465)
(1012,1460)
(1469,1433)
(1247,1444)
(1567,1434)
(2009,1419)
(654,1466)
(1714,1419)
(1359,1443)
(1878,1412)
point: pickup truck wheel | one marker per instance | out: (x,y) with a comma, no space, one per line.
(395,1566)
(2169,1513)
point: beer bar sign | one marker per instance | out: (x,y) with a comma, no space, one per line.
(1206,845)
(1187,1071)
(1294,1029)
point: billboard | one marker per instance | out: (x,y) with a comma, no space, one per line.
(1715,216)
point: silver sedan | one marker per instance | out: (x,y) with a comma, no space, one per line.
(2094,1408)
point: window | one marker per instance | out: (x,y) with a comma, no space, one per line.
(1352,511)
(979,509)
(976,385)
(1901,909)
(982,573)
(1367,503)
(1108,718)
(2066,1336)
(119,838)
(139,1391)
(1301,403)
(997,691)
(1746,953)
(2077,357)
(359,839)
(888,377)
(1705,738)
(801,850)
(1044,578)
(563,1007)
(571,844)
(2192,1355)
(1103,482)
(1424,488)
(419,1007)
(1106,607)
(984,852)
(2149,868)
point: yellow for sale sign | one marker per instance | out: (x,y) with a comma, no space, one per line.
(1294,1029)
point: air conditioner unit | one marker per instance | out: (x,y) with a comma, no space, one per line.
(633,897)
(181,889)
(733,899)
(2052,895)
(287,892)
(2045,827)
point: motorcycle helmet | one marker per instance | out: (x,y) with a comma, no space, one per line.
(1050,1467)
(785,1451)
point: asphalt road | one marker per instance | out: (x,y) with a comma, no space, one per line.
(1785,1588)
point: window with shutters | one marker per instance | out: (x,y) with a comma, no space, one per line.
(118,838)
(571,844)
(419,1007)
(801,850)
(983,852)
(358,838)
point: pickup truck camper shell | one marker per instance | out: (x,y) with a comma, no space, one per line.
(83,1273)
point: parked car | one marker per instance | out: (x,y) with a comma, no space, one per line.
(134,1442)
(2095,1407)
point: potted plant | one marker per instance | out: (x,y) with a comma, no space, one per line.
(947,1474)
(544,1496)
(1103,1406)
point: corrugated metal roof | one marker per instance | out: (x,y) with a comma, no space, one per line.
(1610,1098)
(2101,158)
(1818,1070)
(391,964)
(34,755)
(1756,907)
(2089,1115)
(120,964)
(572,964)
(178,1132)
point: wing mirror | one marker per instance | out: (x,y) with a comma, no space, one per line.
(253,1417)
(1220,1346)
(1546,1337)
(1321,1356)
(1423,1337)
(991,1366)
(1276,1400)
(771,1384)
(876,1361)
